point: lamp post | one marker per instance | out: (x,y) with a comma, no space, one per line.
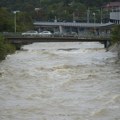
(94,17)
(37,10)
(94,21)
(88,15)
(55,20)
(101,15)
(15,12)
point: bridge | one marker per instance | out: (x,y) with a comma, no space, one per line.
(23,40)
(86,32)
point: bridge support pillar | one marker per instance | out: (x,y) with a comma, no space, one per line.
(78,30)
(61,29)
(107,44)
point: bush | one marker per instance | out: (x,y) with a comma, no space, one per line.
(5,48)
(116,34)
(10,48)
(2,51)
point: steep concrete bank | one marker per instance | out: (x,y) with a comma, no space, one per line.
(115,48)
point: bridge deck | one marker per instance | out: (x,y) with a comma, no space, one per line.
(28,40)
(54,39)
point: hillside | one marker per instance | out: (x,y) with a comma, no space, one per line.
(31,4)
(48,10)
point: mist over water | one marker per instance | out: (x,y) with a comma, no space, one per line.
(60,81)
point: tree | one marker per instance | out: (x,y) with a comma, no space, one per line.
(24,22)
(2,49)
(6,21)
(116,34)
(5,48)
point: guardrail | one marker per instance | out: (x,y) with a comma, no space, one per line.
(80,35)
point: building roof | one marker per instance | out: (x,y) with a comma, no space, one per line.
(112,4)
(70,24)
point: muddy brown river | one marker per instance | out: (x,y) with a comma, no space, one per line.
(60,81)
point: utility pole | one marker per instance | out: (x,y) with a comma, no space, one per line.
(73,17)
(40,3)
(55,19)
(94,20)
(15,25)
(94,17)
(101,15)
(88,15)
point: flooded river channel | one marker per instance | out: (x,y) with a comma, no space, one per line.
(60,81)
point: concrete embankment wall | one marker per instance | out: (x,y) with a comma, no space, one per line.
(115,48)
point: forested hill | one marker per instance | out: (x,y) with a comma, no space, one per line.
(30,4)
(49,10)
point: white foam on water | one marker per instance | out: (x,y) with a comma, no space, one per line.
(60,81)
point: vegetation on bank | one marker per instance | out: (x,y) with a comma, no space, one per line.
(5,48)
(116,34)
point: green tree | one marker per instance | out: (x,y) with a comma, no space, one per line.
(116,34)
(24,22)
(5,48)
(6,22)
(2,49)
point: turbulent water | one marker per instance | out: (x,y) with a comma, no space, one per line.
(60,81)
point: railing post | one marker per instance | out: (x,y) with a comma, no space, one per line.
(105,44)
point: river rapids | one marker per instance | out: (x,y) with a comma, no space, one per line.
(60,81)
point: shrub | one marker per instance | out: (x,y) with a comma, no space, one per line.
(10,48)
(116,34)
(5,48)
(2,49)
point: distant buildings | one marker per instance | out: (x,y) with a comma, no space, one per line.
(115,16)
(114,8)
(112,5)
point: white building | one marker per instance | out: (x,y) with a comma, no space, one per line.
(115,16)
(114,8)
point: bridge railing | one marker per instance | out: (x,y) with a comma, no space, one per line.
(11,34)
(94,36)
(80,35)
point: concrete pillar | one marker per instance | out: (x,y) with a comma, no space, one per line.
(61,29)
(70,29)
(107,44)
(78,31)
(54,29)
(39,30)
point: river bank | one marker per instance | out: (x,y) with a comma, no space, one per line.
(5,48)
(115,48)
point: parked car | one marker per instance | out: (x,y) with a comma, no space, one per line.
(74,34)
(45,34)
(30,33)
(57,34)
(70,34)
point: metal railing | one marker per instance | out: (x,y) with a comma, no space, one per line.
(80,35)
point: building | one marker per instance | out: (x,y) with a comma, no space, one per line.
(115,16)
(114,8)
(111,5)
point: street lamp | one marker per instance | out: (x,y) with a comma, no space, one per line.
(15,12)
(73,17)
(94,17)
(94,21)
(101,15)
(88,15)
(55,20)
